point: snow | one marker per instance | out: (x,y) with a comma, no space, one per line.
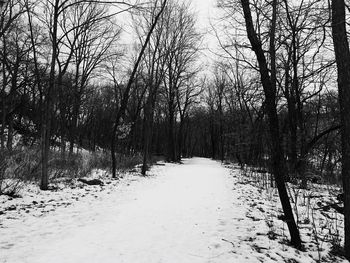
(198,211)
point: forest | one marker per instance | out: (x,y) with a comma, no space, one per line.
(82,89)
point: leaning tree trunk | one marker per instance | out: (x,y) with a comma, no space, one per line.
(125,98)
(278,165)
(342,56)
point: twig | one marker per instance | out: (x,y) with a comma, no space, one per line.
(228,242)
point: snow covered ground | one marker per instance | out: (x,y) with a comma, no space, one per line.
(199,211)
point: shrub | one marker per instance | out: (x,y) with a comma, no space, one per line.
(125,162)
(17,167)
(23,164)
(78,165)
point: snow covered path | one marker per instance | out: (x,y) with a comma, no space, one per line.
(196,212)
(179,215)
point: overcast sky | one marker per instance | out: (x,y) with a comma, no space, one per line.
(205,11)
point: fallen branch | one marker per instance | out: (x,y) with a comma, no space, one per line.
(90,182)
(335,206)
(223,239)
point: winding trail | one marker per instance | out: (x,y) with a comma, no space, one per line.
(179,214)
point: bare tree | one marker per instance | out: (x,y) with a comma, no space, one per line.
(10,16)
(90,35)
(53,15)
(153,75)
(268,81)
(182,43)
(125,97)
(186,98)
(10,11)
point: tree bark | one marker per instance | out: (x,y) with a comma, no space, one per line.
(148,127)
(46,127)
(342,56)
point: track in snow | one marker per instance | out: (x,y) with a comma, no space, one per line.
(184,213)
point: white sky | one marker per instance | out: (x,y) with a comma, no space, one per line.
(206,14)
(205,9)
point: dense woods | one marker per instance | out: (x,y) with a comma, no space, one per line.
(275,96)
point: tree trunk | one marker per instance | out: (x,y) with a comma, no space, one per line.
(180,139)
(46,127)
(9,133)
(147,133)
(278,165)
(171,130)
(221,131)
(73,129)
(342,56)
(3,122)
(4,80)
(212,136)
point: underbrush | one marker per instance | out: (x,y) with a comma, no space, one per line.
(77,165)
(17,167)
(317,211)
(125,162)
(23,164)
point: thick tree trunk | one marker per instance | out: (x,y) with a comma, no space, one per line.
(46,127)
(342,55)
(278,165)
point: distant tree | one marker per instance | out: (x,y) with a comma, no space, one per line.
(187,97)
(182,44)
(89,36)
(16,48)
(65,29)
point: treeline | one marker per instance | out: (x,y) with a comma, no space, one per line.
(68,82)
